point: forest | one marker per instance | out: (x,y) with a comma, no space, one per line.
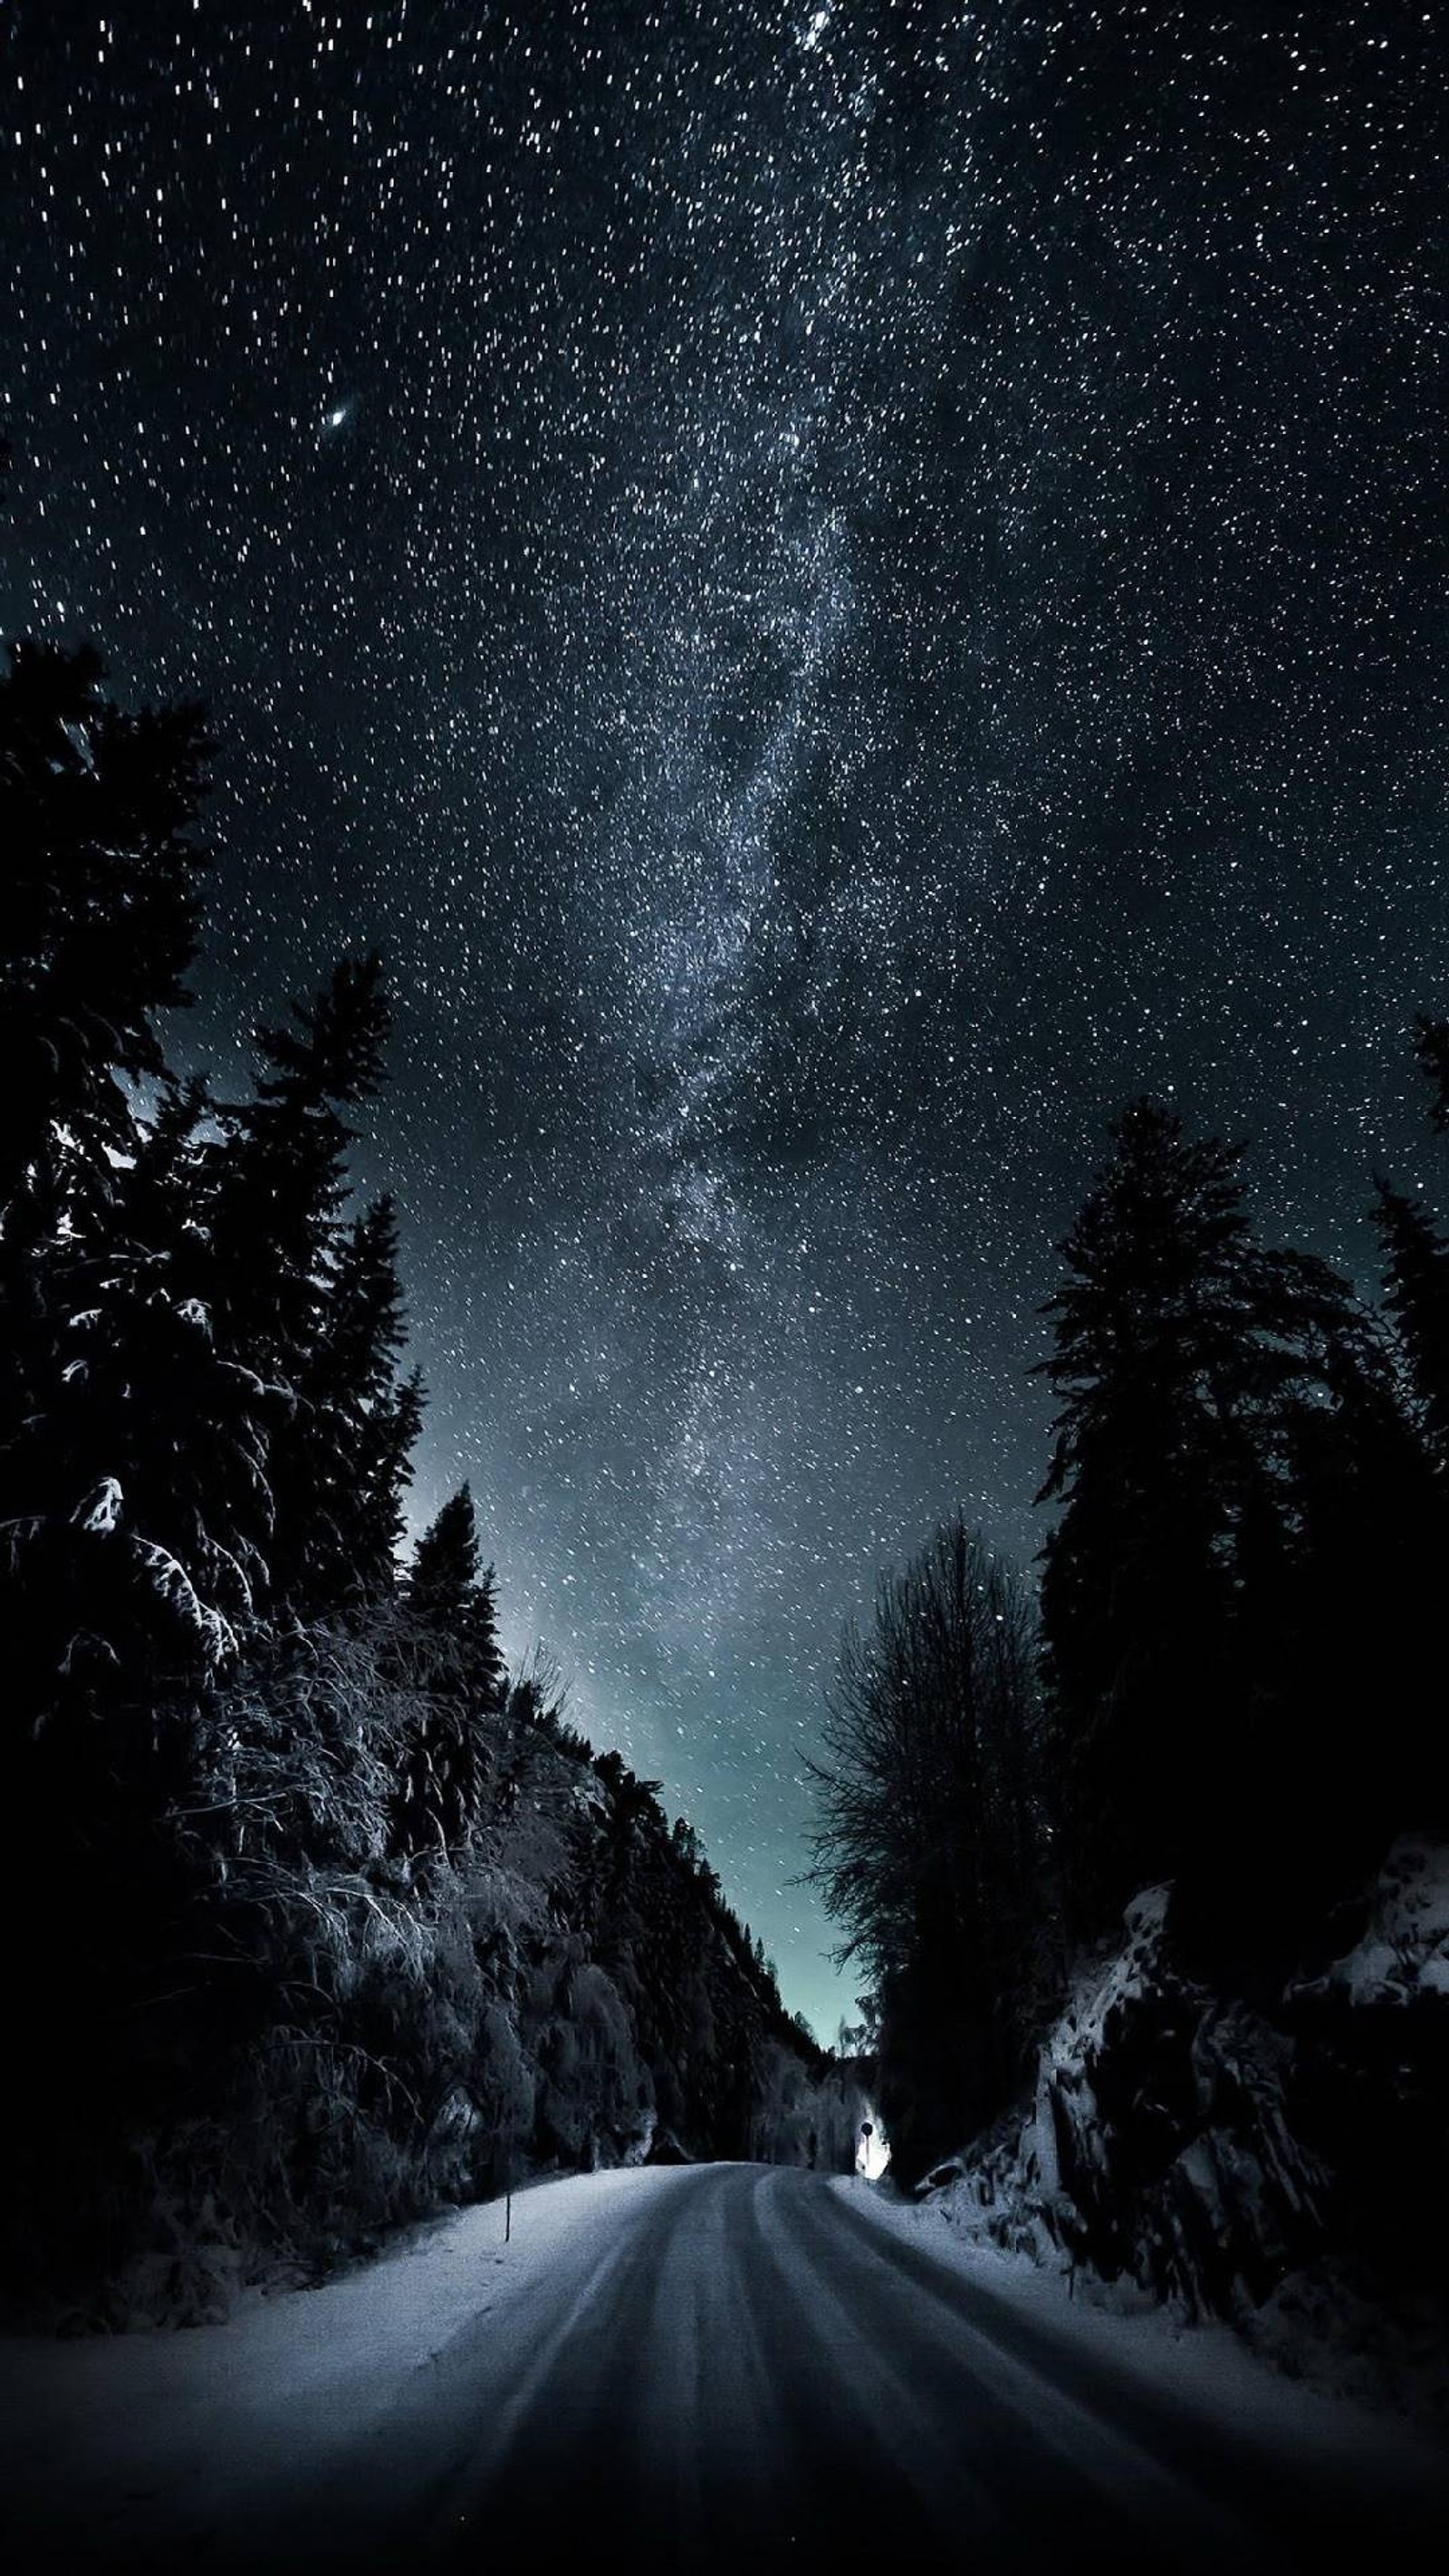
(322,1919)
(1145,1862)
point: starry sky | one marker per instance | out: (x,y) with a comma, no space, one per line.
(842,586)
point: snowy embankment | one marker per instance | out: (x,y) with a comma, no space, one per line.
(1277,2164)
(117,2436)
(1207,2366)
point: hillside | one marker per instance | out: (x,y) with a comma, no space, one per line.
(320,1919)
(304,2025)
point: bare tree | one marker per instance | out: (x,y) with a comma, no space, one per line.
(932,1848)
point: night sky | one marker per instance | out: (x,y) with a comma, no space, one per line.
(842,588)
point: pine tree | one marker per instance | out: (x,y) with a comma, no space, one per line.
(389,1439)
(147,1399)
(454,1594)
(1416,1293)
(98,896)
(98,902)
(451,1610)
(345,1455)
(1186,1356)
(1431,1052)
(276,1238)
(1135,1602)
(1361,1593)
(113,1620)
(447,1563)
(97,922)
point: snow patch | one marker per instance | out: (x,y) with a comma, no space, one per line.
(100,1513)
(1404,1949)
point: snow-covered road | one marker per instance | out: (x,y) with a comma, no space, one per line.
(722,2367)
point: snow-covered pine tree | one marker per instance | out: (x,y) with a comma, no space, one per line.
(146,1403)
(98,897)
(97,925)
(98,906)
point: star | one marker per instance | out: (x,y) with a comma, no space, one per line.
(894,601)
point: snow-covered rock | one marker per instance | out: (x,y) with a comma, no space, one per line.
(1403,1953)
(1277,2161)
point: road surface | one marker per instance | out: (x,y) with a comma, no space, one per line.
(737,2371)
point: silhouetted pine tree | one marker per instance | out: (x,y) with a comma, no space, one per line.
(202,1450)
(346,1451)
(1431,1051)
(1361,1756)
(1187,1356)
(452,1613)
(1416,1293)
(276,1236)
(390,1437)
(454,1593)
(109,1635)
(1136,1602)
(447,1563)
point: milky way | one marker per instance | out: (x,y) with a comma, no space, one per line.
(842,588)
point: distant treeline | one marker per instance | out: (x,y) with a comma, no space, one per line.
(319,1917)
(1231,1679)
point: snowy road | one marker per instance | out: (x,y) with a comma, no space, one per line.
(729,2368)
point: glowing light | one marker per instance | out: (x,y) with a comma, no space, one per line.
(872,2146)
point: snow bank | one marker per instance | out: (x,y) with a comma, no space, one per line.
(1278,2163)
(1207,2366)
(160,2431)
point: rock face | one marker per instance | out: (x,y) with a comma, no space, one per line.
(1214,2150)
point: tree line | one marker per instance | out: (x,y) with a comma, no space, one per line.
(1224,1681)
(318,1916)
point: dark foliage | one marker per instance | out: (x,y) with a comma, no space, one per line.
(1416,1293)
(1232,1704)
(1230,1451)
(1431,1052)
(327,1921)
(933,1847)
(98,910)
